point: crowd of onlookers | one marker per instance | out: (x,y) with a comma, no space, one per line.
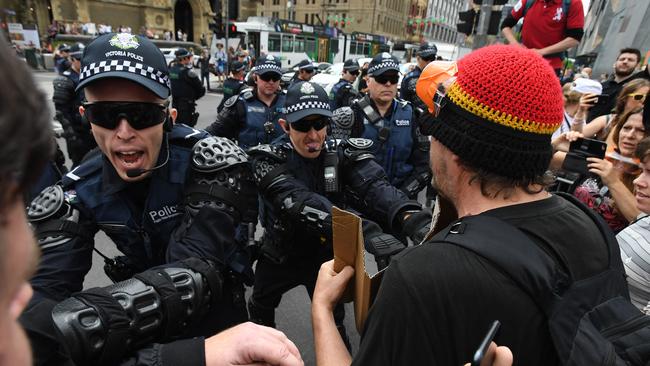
(612,111)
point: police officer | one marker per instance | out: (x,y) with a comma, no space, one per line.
(251,117)
(390,123)
(67,101)
(425,54)
(343,92)
(234,84)
(160,192)
(61,62)
(306,71)
(186,88)
(300,177)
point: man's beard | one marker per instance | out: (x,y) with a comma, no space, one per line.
(621,73)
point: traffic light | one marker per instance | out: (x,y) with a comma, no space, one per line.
(217,25)
(468,22)
(232,28)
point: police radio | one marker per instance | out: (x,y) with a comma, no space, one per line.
(331,171)
(269,129)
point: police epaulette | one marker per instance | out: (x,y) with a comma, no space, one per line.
(92,164)
(247,93)
(277,153)
(403,102)
(184,135)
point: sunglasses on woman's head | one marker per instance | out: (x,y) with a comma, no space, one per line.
(140,115)
(637,96)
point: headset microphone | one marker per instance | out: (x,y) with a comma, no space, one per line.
(134,173)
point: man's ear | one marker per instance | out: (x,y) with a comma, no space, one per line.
(173,113)
(284,124)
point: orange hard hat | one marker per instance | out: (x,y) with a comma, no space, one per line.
(433,75)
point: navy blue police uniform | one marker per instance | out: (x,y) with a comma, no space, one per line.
(61,63)
(398,145)
(246,118)
(297,203)
(232,86)
(427,53)
(76,130)
(186,208)
(343,92)
(186,89)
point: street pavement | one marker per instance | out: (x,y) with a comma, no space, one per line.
(293,316)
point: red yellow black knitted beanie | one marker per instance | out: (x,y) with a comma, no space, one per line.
(499,114)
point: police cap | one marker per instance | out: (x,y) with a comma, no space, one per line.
(381,63)
(267,64)
(306,99)
(351,65)
(427,51)
(182,53)
(126,56)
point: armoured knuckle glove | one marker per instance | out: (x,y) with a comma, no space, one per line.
(383,247)
(220,176)
(268,165)
(54,219)
(356,149)
(317,219)
(342,122)
(99,326)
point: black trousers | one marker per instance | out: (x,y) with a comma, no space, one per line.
(273,280)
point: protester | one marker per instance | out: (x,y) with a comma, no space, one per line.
(631,97)
(24,150)
(221,58)
(634,240)
(609,192)
(204,65)
(550,28)
(624,66)
(437,299)
(571,105)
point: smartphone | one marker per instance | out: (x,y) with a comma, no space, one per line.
(481,356)
(602,98)
(581,149)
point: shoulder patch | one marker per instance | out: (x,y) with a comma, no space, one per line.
(216,153)
(231,101)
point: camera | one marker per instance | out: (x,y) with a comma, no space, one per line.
(574,167)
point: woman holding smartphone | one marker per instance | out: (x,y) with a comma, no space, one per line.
(631,97)
(609,191)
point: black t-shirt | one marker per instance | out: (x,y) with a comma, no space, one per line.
(437,301)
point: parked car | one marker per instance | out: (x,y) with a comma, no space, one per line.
(289,74)
(332,74)
(170,55)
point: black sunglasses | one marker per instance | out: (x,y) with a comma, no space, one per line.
(269,76)
(140,115)
(305,125)
(384,78)
(355,72)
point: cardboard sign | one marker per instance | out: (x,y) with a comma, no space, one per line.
(347,238)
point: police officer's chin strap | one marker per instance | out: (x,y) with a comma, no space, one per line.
(134,173)
(100,326)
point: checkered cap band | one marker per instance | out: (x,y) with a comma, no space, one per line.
(136,68)
(312,104)
(428,52)
(384,65)
(266,67)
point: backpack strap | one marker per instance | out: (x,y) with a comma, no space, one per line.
(510,250)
